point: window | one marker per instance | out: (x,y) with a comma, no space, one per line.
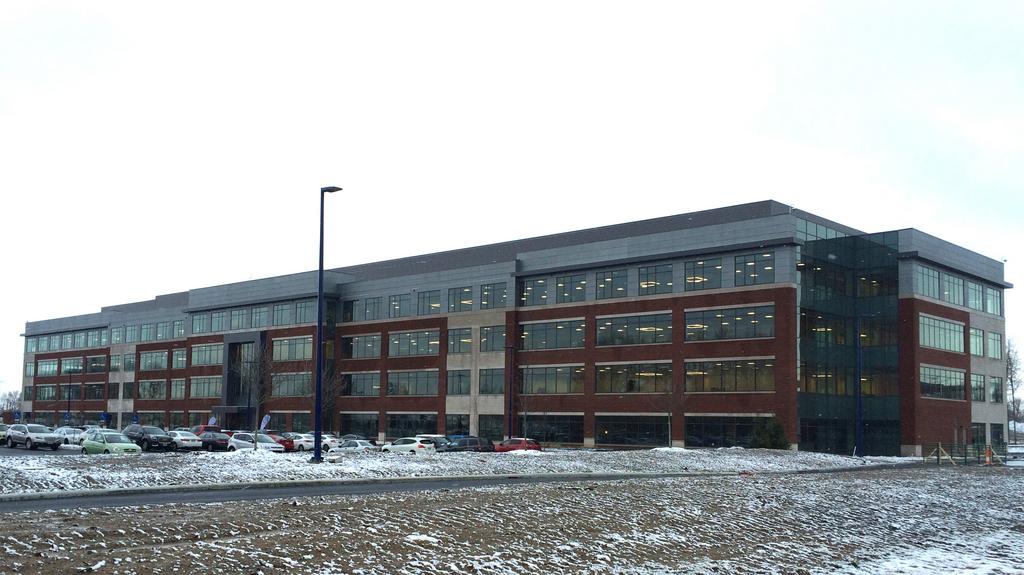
(55,342)
(754,269)
(153,389)
(428,302)
(177,389)
(115,363)
(211,354)
(360,346)
(977,342)
(460,299)
(995,386)
(995,345)
(492,381)
(553,428)
(426,342)
(977,387)
(71,365)
(239,318)
(942,383)
(730,323)
(458,382)
(996,430)
(201,323)
(80,340)
(611,284)
(571,288)
(635,330)
(978,434)
(493,296)
(283,314)
(260,317)
(492,338)
(291,384)
(552,335)
(113,390)
(179,328)
(941,334)
(993,301)
(655,279)
(163,330)
(364,424)
(94,391)
(927,281)
(492,426)
(631,430)
(179,358)
(412,383)
(533,292)
(730,375)
(218,321)
(373,308)
(152,360)
(456,424)
(148,332)
(128,390)
(30,345)
(975,296)
(205,386)
(69,391)
(635,378)
(46,367)
(399,305)
(550,380)
(92,338)
(721,431)
(703,274)
(129,362)
(293,348)
(30,369)
(46,392)
(361,384)
(952,289)
(67,339)
(409,424)
(42,344)
(350,310)
(305,312)
(96,364)
(460,340)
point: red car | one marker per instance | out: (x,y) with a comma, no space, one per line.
(518,443)
(285,441)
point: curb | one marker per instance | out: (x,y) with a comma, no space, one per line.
(525,477)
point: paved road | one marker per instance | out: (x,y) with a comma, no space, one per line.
(258,493)
(42,452)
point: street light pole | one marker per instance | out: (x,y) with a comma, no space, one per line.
(318,426)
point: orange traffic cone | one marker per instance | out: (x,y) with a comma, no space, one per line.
(988,455)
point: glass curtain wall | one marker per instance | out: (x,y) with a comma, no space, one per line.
(848,353)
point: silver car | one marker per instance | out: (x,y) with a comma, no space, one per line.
(32,436)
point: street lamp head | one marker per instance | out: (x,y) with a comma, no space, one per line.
(330,190)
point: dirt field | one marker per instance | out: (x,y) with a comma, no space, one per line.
(891,521)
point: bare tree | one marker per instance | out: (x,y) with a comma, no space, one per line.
(10,401)
(1013,385)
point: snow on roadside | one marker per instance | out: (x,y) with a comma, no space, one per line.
(26,474)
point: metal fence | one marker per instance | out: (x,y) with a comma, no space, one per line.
(966,453)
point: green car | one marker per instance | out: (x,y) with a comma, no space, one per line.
(104,441)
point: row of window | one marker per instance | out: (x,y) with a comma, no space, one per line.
(957,291)
(751,269)
(948,335)
(941,383)
(256,317)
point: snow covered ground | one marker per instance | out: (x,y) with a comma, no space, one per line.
(913,520)
(21,474)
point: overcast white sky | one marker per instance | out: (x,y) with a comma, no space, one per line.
(148,148)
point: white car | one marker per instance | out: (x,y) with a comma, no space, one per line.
(32,436)
(240,441)
(1015,451)
(327,441)
(409,445)
(70,435)
(355,446)
(185,440)
(441,442)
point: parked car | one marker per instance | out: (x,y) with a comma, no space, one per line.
(214,441)
(108,442)
(518,444)
(1015,451)
(327,441)
(243,440)
(201,429)
(300,441)
(441,442)
(149,437)
(409,445)
(470,443)
(185,440)
(32,435)
(70,435)
(355,446)
(3,433)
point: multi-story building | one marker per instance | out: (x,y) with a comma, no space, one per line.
(686,330)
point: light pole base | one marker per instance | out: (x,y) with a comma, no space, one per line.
(316,459)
